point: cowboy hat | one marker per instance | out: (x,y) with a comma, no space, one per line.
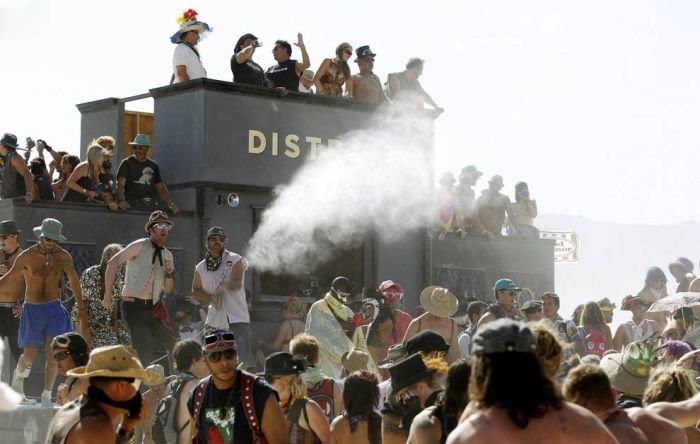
(162,379)
(354,360)
(364,52)
(283,363)
(50,229)
(114,361)
(408,372)
(141,140)
(629,370)
(439,301)
(9,140)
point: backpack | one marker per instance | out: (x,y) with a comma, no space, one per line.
(324,395)
(595,342)
(166,410)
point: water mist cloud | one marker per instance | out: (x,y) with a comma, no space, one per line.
(379,180)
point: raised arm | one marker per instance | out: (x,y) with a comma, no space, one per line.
(305,63)
(245,54)
(79,172)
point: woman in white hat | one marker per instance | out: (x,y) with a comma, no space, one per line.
(439,304)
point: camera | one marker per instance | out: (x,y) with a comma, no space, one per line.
(257,44)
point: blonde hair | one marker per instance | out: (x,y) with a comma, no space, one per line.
(297,387)
(549,349)
(109,251)
(93,152)
(438,378)
(670,384)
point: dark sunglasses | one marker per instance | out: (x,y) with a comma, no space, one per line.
(60,356)
(140,147)
(217,355)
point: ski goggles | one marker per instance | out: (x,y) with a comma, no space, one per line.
(218,341)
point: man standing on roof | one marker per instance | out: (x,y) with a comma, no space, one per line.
(187,64)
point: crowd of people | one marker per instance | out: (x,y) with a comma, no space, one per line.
(332,78)
(354,367)
(459,211)
(138,183)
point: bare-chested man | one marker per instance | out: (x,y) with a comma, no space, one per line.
(588,386)
(522,407)
(11,291)
(366,85)
(43,316)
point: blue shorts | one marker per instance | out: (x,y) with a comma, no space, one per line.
(42,321)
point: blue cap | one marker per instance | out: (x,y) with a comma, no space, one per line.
(505,284)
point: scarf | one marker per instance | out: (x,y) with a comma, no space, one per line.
(354,420)
(340,310)
(213,263)
(312,376)
(157,253)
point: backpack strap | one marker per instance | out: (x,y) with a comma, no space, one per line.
(198,396)
(177,386)
(248,404)
(306,418)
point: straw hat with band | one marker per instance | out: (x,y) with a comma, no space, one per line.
(114,361)
(629,370)
(439,301)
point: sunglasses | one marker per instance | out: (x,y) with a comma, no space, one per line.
(60,356)
(217,238)
(140,147)
(216,356)
(162,226)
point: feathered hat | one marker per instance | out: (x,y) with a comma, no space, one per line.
(188,22)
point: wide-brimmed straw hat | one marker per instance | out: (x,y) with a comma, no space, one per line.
(50,229)
(439,301)
(114,361)
(629,370)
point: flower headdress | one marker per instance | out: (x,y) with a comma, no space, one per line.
(188,22)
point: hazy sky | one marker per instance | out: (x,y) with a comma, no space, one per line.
(595,103)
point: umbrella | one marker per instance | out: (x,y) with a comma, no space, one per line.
(676,301)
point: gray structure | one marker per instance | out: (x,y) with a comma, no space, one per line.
(215,138)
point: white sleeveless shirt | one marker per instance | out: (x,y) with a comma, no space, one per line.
(234,302)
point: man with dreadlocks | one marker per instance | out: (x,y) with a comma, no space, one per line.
(332,322)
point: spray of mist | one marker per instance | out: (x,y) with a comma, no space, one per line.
(378,181)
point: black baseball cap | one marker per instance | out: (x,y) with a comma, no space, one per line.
(215,231)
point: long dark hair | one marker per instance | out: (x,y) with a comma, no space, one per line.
(528,396)
(453,400)
(360,397)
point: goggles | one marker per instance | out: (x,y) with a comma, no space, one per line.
(219,341)
(162,226)
(61,341)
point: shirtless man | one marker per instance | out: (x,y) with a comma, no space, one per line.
(531,397)
(366,85)
(588,386)
(43,317)
(492,207)
(12,291)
